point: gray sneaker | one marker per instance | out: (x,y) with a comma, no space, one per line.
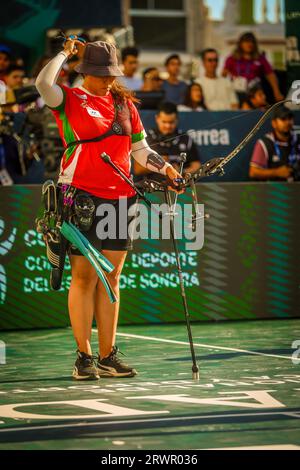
(112,366)
(85,368)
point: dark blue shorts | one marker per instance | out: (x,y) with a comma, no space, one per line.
(117,242)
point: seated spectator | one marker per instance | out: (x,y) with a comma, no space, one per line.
(219,94)
(175,89)
(194,100)
(13,78)
(247,65)
(5,60)
(277,155)
(151,94)
(169,142)
(256,99)
(151,80)
(130,65)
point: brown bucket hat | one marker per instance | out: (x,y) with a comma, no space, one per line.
(99,59)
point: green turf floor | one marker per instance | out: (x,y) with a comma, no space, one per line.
(248,394)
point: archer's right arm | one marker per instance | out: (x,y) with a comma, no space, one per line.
(45,83)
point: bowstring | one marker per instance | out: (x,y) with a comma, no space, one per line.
(216,123)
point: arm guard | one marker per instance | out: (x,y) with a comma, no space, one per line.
(149,159)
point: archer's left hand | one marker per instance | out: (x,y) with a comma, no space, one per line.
(172,175)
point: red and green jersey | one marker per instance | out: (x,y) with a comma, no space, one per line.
(80,116)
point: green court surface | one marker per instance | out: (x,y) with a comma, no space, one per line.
(248,395)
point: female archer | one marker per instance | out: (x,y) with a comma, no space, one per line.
(100,107)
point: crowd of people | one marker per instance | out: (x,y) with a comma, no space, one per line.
(240,85)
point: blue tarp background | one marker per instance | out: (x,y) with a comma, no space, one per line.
(208,125)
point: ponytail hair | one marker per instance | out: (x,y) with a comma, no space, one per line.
(123,93)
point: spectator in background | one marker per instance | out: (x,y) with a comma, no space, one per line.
(151,94)
(219,94)
(277,155)
(169,142)
(175,89)
(256,99)
(151,80)
(13,78)
(194,100)
(5,60)
(130,66)
(247,66)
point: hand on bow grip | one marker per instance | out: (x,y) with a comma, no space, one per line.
(175,181)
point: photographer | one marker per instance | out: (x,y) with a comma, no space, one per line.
(13,79)
(21,159)
(21,156)
(277,155)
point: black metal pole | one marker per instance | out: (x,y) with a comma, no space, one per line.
(195,368)
(106,158)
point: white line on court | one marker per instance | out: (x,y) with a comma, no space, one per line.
(164,340)
(272,447)
(294,415)
(201,345)
(150,420)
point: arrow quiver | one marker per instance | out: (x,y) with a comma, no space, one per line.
(55,213)
(67,213)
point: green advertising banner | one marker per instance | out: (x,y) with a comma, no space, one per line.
(248,268)
(23,23)
(292,28)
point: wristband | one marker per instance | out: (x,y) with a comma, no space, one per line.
(64,53)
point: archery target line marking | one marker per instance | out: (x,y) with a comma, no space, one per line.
(267,447)
(150,420)
(184,343)
(201,345)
